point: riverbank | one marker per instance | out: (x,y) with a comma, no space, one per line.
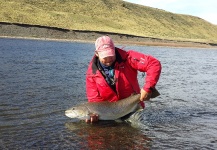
(16,30)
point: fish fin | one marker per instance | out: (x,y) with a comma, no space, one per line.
(118,120)
(141,109)
(155,93)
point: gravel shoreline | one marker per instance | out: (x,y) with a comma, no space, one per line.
(16,30)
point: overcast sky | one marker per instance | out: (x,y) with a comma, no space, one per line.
(206,9)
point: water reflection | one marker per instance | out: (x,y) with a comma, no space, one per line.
(107,135)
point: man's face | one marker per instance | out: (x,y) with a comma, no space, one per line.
(107,61)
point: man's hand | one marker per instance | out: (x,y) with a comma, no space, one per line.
(92,118)
(145,96)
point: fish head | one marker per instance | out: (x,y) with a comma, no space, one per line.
(80,112)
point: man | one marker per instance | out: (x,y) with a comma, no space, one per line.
(112,73)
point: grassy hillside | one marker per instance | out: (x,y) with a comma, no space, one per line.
(108,15)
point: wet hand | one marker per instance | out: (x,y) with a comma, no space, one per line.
(145,96)
(92,118)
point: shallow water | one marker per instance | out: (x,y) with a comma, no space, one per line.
(39,80)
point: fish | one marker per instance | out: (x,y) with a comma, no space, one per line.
(106,110)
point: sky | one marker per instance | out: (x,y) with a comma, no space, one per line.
(205,9)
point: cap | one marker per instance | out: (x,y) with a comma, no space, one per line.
(105,47)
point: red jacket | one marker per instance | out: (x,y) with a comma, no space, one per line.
(126,66)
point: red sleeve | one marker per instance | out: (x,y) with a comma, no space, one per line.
(148,64)
(91,90)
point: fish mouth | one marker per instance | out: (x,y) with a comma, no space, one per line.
(70,113)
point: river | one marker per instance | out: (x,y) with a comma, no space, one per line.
(39,80)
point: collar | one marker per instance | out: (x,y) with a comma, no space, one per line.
(95,63)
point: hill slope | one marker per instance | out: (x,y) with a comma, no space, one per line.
(108,15)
